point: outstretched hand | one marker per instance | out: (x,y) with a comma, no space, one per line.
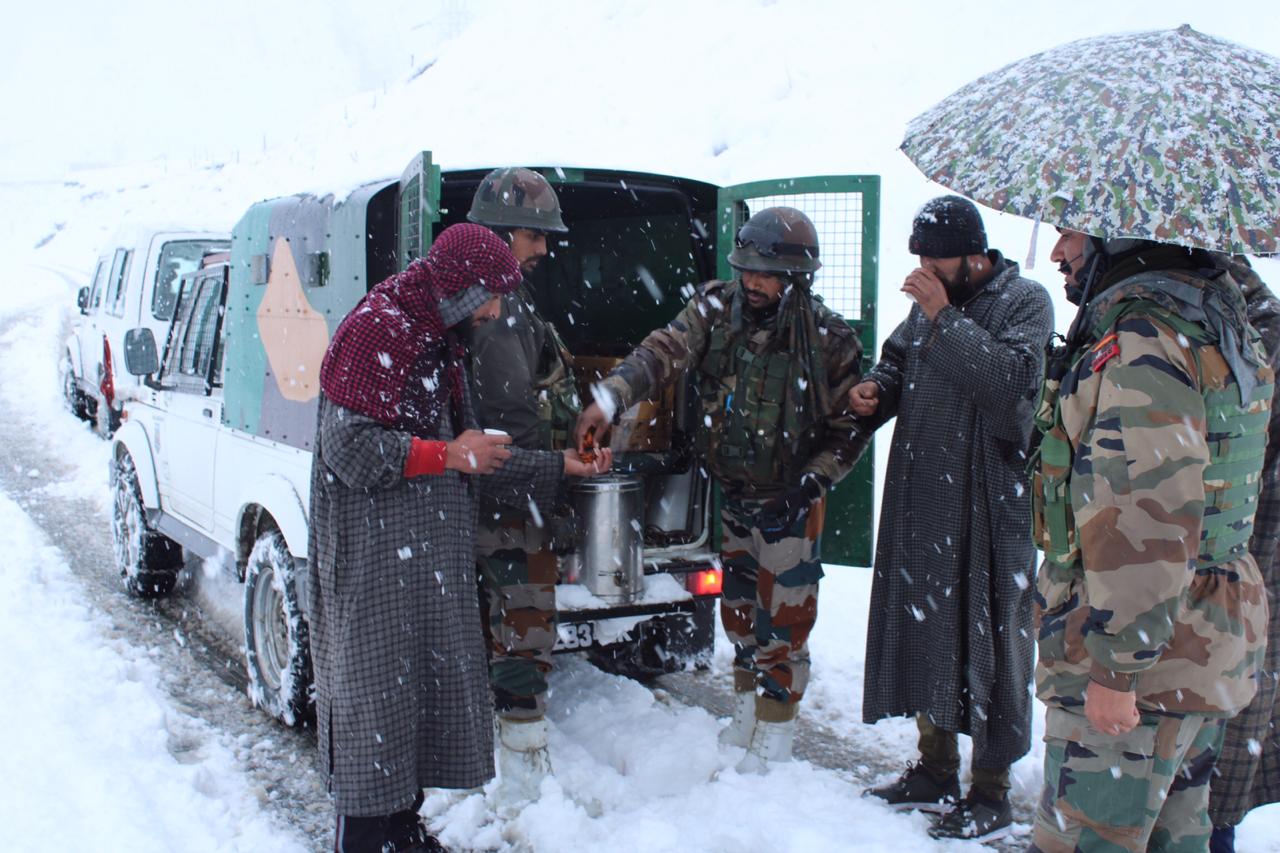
(476,452)
(575,467)
(592,416)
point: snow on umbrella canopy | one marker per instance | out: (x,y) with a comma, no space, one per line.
(1170,135)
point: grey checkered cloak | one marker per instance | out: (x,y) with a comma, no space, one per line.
(402,691)
(1246,777)
(950,625)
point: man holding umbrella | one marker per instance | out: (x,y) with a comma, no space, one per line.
(1152,612)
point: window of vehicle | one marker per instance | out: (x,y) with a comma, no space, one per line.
(115,284)
(190,353)
(177,258)
(95,289)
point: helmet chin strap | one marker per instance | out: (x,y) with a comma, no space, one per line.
(1094,264)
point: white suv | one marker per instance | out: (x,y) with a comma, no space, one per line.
(134,284)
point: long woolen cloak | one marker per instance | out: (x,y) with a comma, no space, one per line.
(950,631)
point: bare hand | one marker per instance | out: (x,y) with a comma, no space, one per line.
(475,452)
(864,398)
(575,467)
(927,290)
(592,416)
(1111,712)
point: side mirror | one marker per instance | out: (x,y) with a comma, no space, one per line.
(140,357)
(82,299)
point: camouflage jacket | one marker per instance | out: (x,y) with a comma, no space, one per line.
(522,376)
(1146,442)
(685,344)
(522,383)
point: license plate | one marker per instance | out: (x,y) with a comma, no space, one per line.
(578,635)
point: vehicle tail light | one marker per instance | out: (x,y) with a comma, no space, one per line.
(108,385)
(706,582)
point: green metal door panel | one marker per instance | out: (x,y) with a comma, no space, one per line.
(244,359)
(845,209)
(419,207)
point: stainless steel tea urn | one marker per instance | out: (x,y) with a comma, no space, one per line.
(608,560)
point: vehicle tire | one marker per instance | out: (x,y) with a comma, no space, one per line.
(71,393)
(148,561)
(276,642)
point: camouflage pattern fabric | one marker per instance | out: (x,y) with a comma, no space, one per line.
(770,604)
(522,384)
(1144,790)
(684,344)
(1166,135)
(1131,595)
(518,576)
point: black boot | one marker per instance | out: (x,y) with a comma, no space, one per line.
(407,833)
(917,788)
(975,818)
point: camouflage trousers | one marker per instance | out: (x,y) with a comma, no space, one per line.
(518,576)
(770,604)
(1144,790)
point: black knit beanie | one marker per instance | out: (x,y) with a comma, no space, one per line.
(947,227)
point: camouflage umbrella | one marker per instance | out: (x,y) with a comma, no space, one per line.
(1169,135)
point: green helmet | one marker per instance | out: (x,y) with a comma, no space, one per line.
(516,198)
(777,239)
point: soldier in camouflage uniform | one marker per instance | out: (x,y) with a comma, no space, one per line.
(773,366)
(1151,611)
(523,385)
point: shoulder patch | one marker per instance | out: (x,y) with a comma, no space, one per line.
(1103,351)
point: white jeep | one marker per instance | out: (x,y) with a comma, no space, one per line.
(134,284)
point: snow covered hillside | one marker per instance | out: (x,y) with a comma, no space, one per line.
(188,113)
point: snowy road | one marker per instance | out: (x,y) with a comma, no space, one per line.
(199,668)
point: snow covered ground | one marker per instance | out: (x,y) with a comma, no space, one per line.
(720,91)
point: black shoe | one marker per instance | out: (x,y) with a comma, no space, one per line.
(918,789)
(413,838)
(975,818)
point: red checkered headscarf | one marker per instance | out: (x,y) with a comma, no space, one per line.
(392,358)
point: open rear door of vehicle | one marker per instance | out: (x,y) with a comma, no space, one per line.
(846,211)
(419,208)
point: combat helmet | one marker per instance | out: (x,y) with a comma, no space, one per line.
(776,240)
(516,198)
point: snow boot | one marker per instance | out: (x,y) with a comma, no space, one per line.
(772,737)
(743,724)
(917,788)
(975,818)
(523,760)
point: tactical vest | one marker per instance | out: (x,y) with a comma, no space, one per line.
(1236,441)
(748,436)
(555,391)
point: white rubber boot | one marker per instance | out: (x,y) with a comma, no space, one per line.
(523,761)
(770,742)
(738,732)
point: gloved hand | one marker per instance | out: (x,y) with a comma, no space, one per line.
(564,532)
(778,515)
